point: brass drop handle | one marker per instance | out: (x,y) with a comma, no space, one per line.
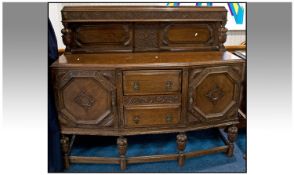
(168,85)
(136,119)
(169,118)
(196,34)
(136,86)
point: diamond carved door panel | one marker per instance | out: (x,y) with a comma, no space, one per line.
(87,98)
(213,94)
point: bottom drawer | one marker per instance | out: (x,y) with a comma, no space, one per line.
(141,116)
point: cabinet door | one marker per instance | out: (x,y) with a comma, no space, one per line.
(86,98)
(214,94)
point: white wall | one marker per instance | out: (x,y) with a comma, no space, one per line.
(233,37)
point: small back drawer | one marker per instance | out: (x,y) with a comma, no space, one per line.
(152,82)
(143,116)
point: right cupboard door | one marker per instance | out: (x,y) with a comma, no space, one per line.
(214,94)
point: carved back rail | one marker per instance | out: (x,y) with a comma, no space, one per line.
(98,29)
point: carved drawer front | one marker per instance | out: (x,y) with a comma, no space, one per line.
(214,93)
(103,37)
(152,82)
(87,98)
(142,116)
(186,36)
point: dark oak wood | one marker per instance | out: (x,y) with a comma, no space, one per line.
(146,159)
(128,29)
(232,135)
(181,142)
(65,150)
(146,60)
(152,82)
(155,115)
(230,48)
(145,70)
(122,145)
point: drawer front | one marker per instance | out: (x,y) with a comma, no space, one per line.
(138,116)
(102,37)
(152,82)
(184,36)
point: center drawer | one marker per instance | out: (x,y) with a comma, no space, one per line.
(142,116)
(152,82)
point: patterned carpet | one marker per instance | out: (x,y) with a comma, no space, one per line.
(162,144)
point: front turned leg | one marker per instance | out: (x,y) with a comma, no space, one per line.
(181,142)
(65,149)
(232,135)
(122,149)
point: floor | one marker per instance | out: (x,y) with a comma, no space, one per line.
(162,144)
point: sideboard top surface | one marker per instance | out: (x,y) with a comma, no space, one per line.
(147,59)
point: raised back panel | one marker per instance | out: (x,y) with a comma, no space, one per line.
(102,37)
(189,36)
(96,29)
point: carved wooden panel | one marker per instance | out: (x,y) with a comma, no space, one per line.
(87,97)
(102,37)
(152,99)
(214,93)
(188,36)
(146,36)
(142,116)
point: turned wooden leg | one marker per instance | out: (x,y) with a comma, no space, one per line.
(232,135)
(122,149)
(181,142)
(65,149)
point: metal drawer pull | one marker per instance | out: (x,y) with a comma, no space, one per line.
(136,86)
(168,85)
(169,118)
(196,34)
(136,119)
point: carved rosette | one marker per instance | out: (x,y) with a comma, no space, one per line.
(215,94)
(67,37)
(84,100)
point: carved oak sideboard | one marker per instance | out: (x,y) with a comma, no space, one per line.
(145,70)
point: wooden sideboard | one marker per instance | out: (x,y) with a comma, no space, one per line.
(145,70)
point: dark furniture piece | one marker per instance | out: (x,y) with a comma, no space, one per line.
(243,104)
(145,70)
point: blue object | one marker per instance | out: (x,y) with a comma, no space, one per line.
(55,162)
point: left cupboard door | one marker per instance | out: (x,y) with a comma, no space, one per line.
(85,98)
